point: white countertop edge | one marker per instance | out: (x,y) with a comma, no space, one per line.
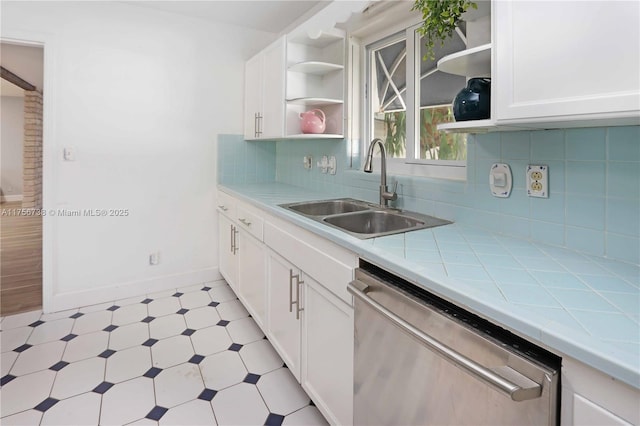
(619,365)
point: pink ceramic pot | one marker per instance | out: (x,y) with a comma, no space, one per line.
(312,121)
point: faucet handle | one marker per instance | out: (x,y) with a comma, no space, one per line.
(395,187)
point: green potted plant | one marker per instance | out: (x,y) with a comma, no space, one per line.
(440,18)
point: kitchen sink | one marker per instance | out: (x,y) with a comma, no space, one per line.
(329,207)
(364,220)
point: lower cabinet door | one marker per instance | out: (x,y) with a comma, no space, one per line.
(227,253)
(252,279)
(283,327)
(328,353)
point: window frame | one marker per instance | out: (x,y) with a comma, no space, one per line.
(411,166)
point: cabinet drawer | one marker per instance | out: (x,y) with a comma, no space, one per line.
(226,205)
(329,264)
(250,220)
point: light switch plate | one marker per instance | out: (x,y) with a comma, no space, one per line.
(500,180)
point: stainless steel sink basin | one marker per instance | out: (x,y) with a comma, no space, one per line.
(364,220)
(329,207)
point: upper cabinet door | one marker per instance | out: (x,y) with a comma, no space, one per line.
(274,72)
(264,93)
(567,61)
(252,96)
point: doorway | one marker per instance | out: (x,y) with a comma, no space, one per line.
(21,178)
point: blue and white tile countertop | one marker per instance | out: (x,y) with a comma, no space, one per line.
(582,306)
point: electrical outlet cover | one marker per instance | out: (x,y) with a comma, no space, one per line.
(538,181)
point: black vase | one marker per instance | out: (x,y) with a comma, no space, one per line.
(474,101)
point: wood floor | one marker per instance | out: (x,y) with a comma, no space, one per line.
(20,260)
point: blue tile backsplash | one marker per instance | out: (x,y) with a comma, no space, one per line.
(594,184)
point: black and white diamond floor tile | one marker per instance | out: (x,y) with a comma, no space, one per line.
(191,355)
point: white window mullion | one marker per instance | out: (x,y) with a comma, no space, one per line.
(413,69)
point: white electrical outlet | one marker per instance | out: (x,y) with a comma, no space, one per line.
(538,181)
(308,162)
(154,258)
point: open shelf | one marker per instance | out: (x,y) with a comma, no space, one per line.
(315,136)
(470,126)
(474,62)
(315,67)
(314,101)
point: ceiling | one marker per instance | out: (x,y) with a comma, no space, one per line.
(10,89)
(264,15)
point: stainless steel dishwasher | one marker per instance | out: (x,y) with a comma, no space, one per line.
(420,360)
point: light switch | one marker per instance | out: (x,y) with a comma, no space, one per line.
(500,180)
(69,153)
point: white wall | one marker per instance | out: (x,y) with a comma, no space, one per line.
(141,96)
(11,142)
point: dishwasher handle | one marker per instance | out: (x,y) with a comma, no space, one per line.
(526,388)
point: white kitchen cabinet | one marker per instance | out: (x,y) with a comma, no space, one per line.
(328,352)
(316,80)
(284,324)
(252,280)
(564,63)
(590,397)
(264,93)
(228,234)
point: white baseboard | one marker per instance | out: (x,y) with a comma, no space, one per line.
(76,299)
(10,198)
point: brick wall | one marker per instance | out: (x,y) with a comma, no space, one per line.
(32,153)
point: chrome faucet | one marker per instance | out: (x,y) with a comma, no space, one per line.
(385,195)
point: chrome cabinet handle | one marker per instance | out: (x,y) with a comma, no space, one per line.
(299,282)
(234,239)
(255,124)
(231,239)
(245,221)
(528,389)
(223,208)
(291,277)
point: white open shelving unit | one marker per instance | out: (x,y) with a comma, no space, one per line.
(315,80)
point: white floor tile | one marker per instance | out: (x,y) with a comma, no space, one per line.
(240,405)
(190,288)
(128,364)
(93,321)
(281,392)
(143,422)
(244,331)
(38,358)
(58,315)
(232,310)
(192,413)
(96,307)
(167,326)
(78,377)
(130,335)
(222,294)
(30,417)
(172,351)
(198,318)
(21,320)
(127,402)
(130,300)
(211,340)
(177,385)
(26,392)
(164,306)
(161,293)
(222,370)
(15,337)
(217,283)
(50,330)
(129,314)
(308,416)
(260,357)
(86,346)
(82,409)
(6,362)
(195,299)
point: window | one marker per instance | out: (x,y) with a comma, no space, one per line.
(406,98)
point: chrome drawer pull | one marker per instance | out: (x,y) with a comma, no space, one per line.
(245,221)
